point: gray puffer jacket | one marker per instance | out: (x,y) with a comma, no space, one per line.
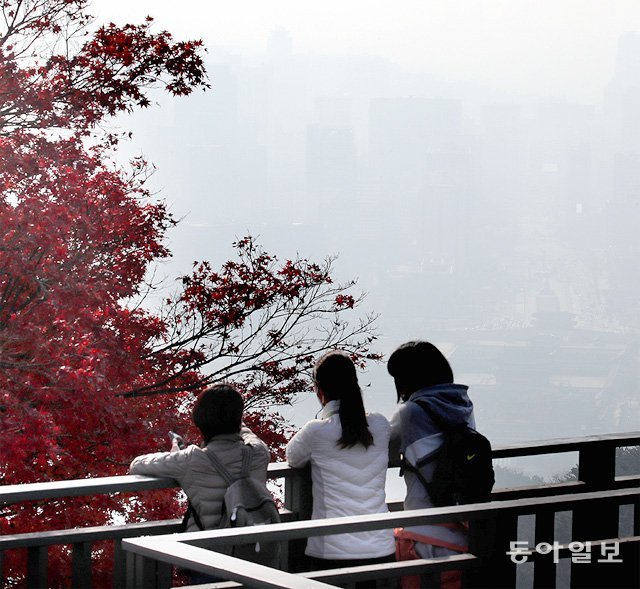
(195,473)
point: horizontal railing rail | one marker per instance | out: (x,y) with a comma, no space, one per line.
(419,566)
(171,549)
(561,445)
(132,483)
(596,471)
(212,539)
(104,485)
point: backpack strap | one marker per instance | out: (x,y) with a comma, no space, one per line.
(406,465)
(246,461)
(191,513)
(226,475)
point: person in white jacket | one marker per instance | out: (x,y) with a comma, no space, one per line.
(348,452)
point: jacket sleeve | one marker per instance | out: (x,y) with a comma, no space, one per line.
(298,451)
(171,465)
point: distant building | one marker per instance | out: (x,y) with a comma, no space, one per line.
(402,131)
(331,166)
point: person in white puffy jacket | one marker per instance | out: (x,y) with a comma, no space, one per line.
(218,415)
(348,452)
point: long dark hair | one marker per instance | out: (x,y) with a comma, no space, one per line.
(335,374)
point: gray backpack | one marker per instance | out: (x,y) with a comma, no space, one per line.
(247,502)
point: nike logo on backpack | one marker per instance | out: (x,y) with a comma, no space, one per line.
(471,456)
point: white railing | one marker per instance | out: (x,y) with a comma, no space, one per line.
(596,472)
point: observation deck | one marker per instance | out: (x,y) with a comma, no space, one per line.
(600,511)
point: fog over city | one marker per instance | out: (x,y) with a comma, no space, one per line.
(476,165)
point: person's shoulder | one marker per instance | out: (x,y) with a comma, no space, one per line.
(314,430)
(375,418)
(407,408)
(260,450)
(186,453)
(249,438)
(314,426)
(173,455)
(191,453)
(413,413)
(379,427)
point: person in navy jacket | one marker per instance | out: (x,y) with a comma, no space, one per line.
(422,373)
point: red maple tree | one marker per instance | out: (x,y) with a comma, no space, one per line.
(89,378)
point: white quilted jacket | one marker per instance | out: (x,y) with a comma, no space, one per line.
(198,477)
(346,481)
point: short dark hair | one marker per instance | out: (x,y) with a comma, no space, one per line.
(418,364)
(218,410)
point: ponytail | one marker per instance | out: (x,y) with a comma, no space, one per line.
(336,375)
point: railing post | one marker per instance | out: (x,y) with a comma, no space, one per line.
(81,566)
(141,573)
(482,538)
(164,575)
(119,565)
(129,570)
(298,498)
(137,566)
(497,570)
(37,557)
(598,521)
(544,569)
(597,469)
(629,573)
(597,573)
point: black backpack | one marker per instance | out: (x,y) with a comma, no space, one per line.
(464,470)
(247,502)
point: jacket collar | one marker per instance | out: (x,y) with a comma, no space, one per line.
(331,408)
(225,438)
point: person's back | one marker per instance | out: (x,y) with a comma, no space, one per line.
(348,453)
(218,415)
(421,438)
(203,485)
(430,402)
(346,481)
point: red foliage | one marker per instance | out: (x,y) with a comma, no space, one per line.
(88,378)
(77,237)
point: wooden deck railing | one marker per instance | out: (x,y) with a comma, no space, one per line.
(596,473)
(154,556)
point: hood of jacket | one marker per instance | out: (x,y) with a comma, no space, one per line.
(449,402)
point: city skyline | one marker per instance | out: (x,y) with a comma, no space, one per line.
(464,214)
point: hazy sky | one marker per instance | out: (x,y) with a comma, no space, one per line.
(563,49)
(530,50)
